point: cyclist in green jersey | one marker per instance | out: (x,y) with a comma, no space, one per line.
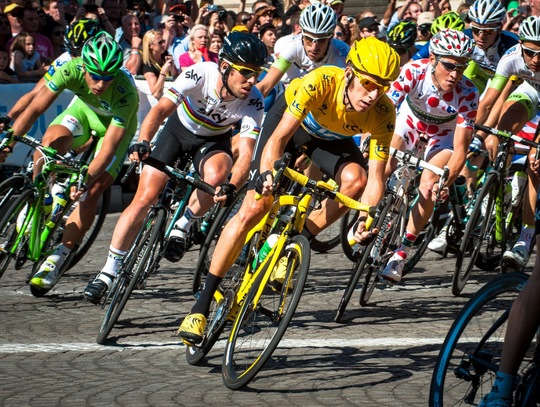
(107,103)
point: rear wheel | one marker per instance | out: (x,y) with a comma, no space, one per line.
(263,319)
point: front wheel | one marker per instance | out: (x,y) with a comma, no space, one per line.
(471,353)
(347,222)
(265,315)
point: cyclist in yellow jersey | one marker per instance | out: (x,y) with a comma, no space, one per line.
(321,112)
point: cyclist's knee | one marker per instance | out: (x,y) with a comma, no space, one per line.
(352,183)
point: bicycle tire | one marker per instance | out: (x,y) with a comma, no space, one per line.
(471,350)
(10,190)
(360,263)
(8,226)
(206,252)
(347,222)
(256,332)
(146,246)
(472,241)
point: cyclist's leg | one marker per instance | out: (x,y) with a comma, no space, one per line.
(521,107)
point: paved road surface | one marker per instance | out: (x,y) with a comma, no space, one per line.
(382,355)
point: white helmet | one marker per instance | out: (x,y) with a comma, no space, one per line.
(451,43)
(487,11)
(318,19)
(529,29)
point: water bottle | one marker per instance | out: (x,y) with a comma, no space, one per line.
(461,186)
(59,203)
(268,245)
(47,205)
(519,182)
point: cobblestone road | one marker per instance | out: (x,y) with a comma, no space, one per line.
(382,355)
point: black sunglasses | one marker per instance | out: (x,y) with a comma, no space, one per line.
(246,20)
(450,67)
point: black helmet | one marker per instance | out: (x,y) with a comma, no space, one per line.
(78,33)
(243,48)
(402,35)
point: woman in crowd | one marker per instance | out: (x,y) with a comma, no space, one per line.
(5,30)
(157,63)
(199,40)
(55,32)
(216,42)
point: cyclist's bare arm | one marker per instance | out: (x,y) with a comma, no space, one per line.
(240,170)
(271,79)
(152,121)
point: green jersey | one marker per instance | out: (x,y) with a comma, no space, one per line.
(120,102)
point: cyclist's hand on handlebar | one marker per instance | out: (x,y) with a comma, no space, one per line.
(264,185)
(302,163)
(75,194)
(139,151)
(534,164)
(443,196)
(225,193)
(476,146)
(362,236)
(5,153)
(5,122)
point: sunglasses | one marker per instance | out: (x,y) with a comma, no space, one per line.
(369,84)
(245,71)
(99,78)
(58,33)
(161,42)
(450,67)
(311,40)
(370,29)
(531,53)
(161,26)
(246,20)
(487,31)
(338,34)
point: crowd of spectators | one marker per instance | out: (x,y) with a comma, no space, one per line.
(159,38)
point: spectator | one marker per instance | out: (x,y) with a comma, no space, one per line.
(346,27)
(337,6)
(6,73)
(463,11)
(56,32)
(131,44)
(55,10)
(408,12)
(5,30)
(514,23)
(28,20)
(99,15)
(356,36)
(112,10)
(339,32)
(424,22)
(445,6)
(25,61)
(71,7)
(278,23)
(243,18)
(176,32)
(216,41)
(268,36)
(292,7)
(10,11)
(140,9)
(199,39)
(3,4)
(215,21)
(368,27)
(157,63)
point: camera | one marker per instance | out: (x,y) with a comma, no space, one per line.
(91,8)
(350,20)
(178,19)
(222,15)
(212,7)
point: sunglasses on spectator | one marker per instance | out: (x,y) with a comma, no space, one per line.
(487,31)
(450,67)
(99,78)
(370,29)
(246,20)
(531,53)
(161,42)
(322,40)
(161,26)
(369,84)
(245,71)
(338,34)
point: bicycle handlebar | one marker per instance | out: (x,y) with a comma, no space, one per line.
(407,157)
(500,133)
(129,171)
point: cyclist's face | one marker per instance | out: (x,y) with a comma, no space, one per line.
(531,58)
(447,72)
(363,97)
(485,35)
(239,85)
(96,87)
(316,45)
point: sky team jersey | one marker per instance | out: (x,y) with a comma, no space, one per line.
(57,63)
(317,101)
(120,101)
(432,107)
(203,112)
(291,58)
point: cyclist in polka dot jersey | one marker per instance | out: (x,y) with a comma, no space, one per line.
(436,100)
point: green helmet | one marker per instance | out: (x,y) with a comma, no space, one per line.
(102,55)
(450,20)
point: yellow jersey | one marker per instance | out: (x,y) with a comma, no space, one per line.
(317,101)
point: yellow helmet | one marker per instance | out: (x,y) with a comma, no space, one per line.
(240,28)
(375,57)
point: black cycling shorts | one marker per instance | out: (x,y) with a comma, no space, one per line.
(175,142)
(327,155)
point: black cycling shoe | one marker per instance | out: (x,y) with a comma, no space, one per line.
(95,290)
(176,248)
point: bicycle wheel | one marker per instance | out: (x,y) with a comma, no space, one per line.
(479,235)
(361,261)
(207,248)
(10,190)
(471,352)
(9,229)
(347,222)
(134,271)
(263,319)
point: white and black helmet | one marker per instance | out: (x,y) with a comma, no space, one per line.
(487,11)
(453,43)
(318,19)
(529,29)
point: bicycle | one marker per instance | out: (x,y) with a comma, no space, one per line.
(390,219)
(470,355)
(142,259)
(490,228)
(25,230)
(256,306)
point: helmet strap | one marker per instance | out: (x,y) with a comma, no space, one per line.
(224,79)
(433,72)
(348,103)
